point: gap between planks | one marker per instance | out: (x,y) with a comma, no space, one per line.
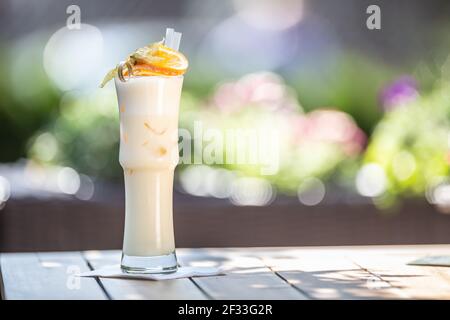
(97,279)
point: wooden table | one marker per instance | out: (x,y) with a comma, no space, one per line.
(371,272)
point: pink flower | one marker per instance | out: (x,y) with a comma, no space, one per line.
(330,126)
(263,89)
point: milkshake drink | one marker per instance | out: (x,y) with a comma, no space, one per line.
(148,93)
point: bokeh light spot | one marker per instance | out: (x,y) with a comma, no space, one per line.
(371,180)
(311,191)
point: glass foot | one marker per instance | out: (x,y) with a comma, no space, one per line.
(152,264)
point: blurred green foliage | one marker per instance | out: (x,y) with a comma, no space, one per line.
(315,144)
(411,145)
(80,129)
(28,99)
(351,85)
(85,135)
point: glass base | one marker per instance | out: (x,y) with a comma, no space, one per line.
(151,264)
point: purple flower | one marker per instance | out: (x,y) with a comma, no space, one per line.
(401,91)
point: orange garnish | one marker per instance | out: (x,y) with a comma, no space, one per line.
(157,59)
(154,70)
(152,60)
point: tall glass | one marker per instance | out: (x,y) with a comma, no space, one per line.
(148,108)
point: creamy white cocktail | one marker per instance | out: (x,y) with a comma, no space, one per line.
(148,89)
(148,155)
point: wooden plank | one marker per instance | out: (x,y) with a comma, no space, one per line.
(47,276)
(246,276)
(135,289)
(252,273)
(414,282)
(327,274)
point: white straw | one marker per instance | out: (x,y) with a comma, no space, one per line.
(176,40)
(172,39)
(169,37)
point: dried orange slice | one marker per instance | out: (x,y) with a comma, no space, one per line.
(158,59)
(152,60)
